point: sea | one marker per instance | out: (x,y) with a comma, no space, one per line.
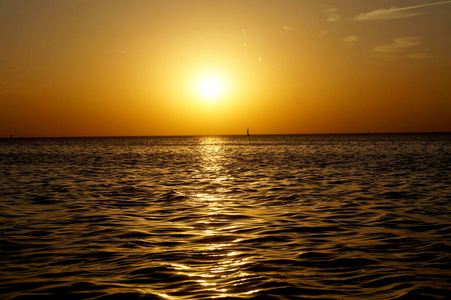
(231,217)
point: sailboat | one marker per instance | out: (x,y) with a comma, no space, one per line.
(248,132)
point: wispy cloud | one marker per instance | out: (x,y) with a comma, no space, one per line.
(350,39)
(394,12)
(323,34)
(243,32)
(332,14)
(420,56)
(399,44)
(386,57)
(289,28)
(122,52)
(386,14)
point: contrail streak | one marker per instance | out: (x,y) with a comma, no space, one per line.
(422,5)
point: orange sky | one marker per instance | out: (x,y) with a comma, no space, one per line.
(126,68)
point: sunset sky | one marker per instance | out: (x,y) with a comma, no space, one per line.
(188,67)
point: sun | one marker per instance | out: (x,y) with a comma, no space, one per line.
(211,87)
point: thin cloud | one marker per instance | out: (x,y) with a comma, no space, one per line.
(323,34)
(243,31)
(122,52)
(351,39)
(399,44)
(332,14)
(289,28)
(420,56)
(386,57)
(394,12)
(386,14)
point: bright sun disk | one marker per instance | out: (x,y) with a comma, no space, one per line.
(210,87)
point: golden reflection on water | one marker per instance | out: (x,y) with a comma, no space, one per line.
(213,156)
(222,271)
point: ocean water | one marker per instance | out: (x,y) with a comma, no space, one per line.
(233,217)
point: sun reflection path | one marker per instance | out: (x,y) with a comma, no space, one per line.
(219,260)
(221,267)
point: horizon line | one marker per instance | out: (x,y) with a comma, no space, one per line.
(204,135)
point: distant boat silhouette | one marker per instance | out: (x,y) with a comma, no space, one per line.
(248,132)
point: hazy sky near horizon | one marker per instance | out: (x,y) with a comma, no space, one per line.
(100,68)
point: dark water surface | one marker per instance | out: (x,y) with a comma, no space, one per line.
(260,217)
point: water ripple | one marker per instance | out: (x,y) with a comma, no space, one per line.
(278,217)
